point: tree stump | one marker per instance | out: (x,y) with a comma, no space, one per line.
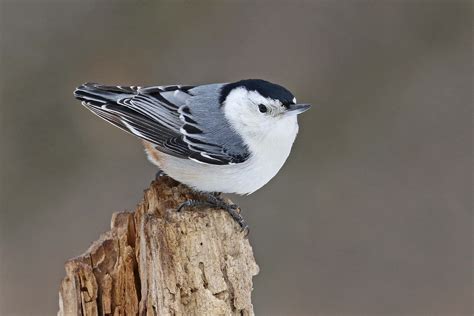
(157,261)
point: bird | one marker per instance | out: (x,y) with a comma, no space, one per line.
(216,138)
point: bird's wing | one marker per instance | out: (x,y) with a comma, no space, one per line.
(160,116)
(207,130)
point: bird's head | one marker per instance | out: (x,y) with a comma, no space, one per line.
(258,106)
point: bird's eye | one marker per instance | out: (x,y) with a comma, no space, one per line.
(262,108)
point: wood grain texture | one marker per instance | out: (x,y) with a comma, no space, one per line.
(156,261)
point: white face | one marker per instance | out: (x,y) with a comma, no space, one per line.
(253,115)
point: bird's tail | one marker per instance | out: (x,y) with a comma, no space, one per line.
(94,94)
(107,103)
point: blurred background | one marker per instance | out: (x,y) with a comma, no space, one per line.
(372,213)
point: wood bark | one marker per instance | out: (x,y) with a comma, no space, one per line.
(156,261)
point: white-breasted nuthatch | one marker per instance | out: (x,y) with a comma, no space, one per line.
(225,137)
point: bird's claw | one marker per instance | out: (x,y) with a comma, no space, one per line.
(190,203)
(160,173)
(217,202)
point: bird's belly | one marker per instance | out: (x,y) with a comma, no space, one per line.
(243,178)
(268,156)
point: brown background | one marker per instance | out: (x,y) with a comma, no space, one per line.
(372,213)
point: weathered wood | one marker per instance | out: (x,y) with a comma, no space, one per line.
(156,261)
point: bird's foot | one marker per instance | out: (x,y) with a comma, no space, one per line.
(160,173)
(232,209)
(214,200)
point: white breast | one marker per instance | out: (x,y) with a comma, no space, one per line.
(269,152)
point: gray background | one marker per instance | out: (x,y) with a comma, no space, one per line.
(372,213)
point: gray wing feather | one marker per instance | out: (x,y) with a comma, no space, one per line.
(214,136)
(186,122)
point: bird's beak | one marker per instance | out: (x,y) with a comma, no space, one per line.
(297,108)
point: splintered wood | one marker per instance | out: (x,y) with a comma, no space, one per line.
(157,261)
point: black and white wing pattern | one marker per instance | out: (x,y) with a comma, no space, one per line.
(163,115)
